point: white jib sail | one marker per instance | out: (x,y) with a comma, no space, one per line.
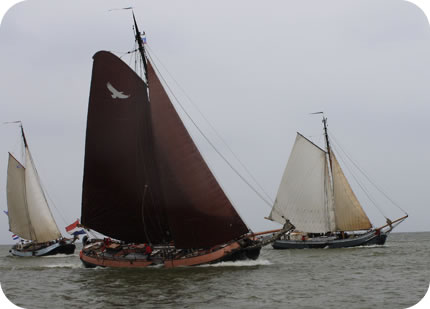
(350,216)
(19,220)
(302,196)
(42,221)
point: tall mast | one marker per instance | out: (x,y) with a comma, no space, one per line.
(331,210)
(327,142)
(23,136)
(326,139)
(140,46)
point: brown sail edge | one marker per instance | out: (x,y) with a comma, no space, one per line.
(145,182)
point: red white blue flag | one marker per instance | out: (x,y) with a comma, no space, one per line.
(74,229)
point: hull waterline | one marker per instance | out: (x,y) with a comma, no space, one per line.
(367,239)
(231,252)
(56,248)
(113,254)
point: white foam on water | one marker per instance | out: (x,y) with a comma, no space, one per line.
(367,246)
(64,265)
(246,263)
(59,255)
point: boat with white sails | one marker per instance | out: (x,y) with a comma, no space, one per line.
(315,196)
(28,211)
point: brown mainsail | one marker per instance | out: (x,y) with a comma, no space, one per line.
(144,178)
(145,181)
(120,197)
(199,213)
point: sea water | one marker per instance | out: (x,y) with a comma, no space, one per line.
(395,275)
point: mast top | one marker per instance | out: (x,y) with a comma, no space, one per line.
(23,134)
(141,46)
(324,121)
(22,130)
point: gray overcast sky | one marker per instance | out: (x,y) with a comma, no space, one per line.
(256,69)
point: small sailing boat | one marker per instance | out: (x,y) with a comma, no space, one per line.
(146,186)
(315,196)
(29,215)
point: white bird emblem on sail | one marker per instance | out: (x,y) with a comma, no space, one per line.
(115,93)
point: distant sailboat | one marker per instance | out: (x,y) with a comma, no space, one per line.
(146,185)
(315,196)
(29,215)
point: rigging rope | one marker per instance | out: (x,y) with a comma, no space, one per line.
(207,139)
(211,126)
(367,177)
(360,185)
(44,191)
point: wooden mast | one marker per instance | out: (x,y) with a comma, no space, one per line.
(326,139)
(140,47)
(23,135)
(327,143)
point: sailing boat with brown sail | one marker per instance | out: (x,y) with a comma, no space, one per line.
(316,197)
(145,184)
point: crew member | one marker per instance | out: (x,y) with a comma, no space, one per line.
(148,251)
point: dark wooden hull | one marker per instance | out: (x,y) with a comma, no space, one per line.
(367,239)
(57,248)
(231,252)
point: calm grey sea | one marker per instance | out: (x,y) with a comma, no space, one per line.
(396,275)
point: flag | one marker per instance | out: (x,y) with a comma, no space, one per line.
(6,212)
(74,229)
(143,38)
(15,237)
(78,232)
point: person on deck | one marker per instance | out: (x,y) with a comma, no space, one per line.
(148,251)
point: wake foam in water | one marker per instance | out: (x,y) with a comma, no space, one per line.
(367,246)
(59,255)
(64,265)
(247,263)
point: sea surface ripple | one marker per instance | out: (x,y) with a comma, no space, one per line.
(395,275)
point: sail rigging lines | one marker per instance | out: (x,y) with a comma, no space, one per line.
(210,125)
(44,194)
(51,202)
(44,191)
(361,170)
(265,200)
(363,188)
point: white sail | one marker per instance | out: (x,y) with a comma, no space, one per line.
(41,218)
(302,196)
(19,220)
(350,216)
